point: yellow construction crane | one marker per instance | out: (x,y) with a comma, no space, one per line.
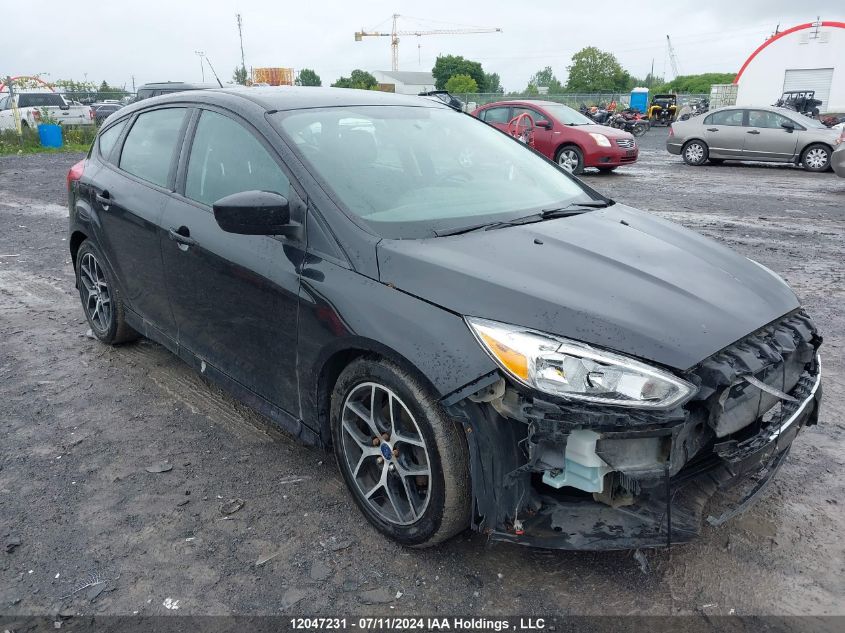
(395,33)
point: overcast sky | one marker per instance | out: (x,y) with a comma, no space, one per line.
(155,40)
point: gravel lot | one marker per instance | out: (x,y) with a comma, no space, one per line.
(81,422)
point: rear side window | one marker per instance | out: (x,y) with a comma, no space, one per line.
(148,149)
(226,158)
(40,100)
(725,117)
(108,138)
(496,115)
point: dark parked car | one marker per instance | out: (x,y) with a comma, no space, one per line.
(168,87)
(103,110)
(481,339)
(565,135)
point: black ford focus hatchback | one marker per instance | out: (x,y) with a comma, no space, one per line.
(481,339)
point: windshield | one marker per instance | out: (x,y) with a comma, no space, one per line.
(567,115)
(411,172)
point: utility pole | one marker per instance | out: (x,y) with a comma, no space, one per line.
(133,83)
(241,37)
(201,54)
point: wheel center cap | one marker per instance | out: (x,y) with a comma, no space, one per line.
(386,451)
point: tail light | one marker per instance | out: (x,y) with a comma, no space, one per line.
(75,173)
(841,138)
(36,115)
(91,113)
(671,131)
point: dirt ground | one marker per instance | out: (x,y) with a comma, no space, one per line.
(81,422)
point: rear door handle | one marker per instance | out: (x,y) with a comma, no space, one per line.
(104,199)
(712,129)
(182,235)
(752,132)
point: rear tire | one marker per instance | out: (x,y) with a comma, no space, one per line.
(101,298)
(570,158)
(816,157)
(695,153)
(404,460)
(639,129)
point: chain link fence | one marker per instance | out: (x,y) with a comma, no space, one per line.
(573,100)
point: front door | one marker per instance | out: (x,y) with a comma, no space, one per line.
(544,138)
(724,133)
(234,297)
(767,139)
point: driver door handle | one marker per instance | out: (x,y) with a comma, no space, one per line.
(712,129)
(104,198)
(752,132)
(182,235)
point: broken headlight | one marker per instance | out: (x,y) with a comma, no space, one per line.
(566,368)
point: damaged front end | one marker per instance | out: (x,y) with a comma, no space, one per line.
(557,472)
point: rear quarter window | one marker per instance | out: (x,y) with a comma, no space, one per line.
(108,138)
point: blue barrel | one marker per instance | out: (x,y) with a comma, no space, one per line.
(50,135)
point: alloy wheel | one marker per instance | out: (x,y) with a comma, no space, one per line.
(816,158)
(568,159)
(694,152)
(385,453)
(97,299)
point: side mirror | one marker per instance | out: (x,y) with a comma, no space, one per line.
(254,213)
(546,125)
(789,127)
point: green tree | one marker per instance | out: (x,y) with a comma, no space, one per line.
(594,70)
(698,83)
(546,78)
(461,84)
(360,79)
(493,83)
(447,66)
(308,77)
(240,75)
(105,91)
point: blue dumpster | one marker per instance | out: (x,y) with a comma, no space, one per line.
(50,135)
(639,99)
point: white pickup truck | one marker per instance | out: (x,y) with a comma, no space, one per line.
(30,104)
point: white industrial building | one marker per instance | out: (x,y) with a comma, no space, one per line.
(405,83)
(809,56)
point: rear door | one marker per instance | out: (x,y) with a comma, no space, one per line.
(724,133)
(130,192)
(234,297)
(767,139)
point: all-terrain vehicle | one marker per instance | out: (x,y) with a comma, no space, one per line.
(803,101)
(662,109)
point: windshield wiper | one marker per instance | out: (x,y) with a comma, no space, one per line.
(573,208)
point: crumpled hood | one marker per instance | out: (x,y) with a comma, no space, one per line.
(616,278)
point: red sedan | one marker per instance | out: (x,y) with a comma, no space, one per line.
(565,135)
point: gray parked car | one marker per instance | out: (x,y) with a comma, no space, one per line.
(764,133)
(837,161)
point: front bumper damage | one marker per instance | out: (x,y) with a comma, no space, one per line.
(556,474)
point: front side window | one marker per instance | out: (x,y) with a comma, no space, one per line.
(766,119)
(109,137)
(725,117)
(149,147)
(226,158)
(411,172)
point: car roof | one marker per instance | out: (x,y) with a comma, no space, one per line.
(537,102)
(278,98)
(176,85)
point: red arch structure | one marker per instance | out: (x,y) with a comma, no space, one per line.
(772,40)
(38,79)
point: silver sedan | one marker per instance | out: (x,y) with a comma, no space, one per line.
(753,133)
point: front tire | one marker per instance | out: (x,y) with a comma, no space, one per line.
(403,459)
(695,153)
(101,298)
(816,157)
(570,158)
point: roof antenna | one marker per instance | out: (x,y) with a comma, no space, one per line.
(219,83)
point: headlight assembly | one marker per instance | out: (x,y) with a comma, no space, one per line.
(600,139)
(569,369)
